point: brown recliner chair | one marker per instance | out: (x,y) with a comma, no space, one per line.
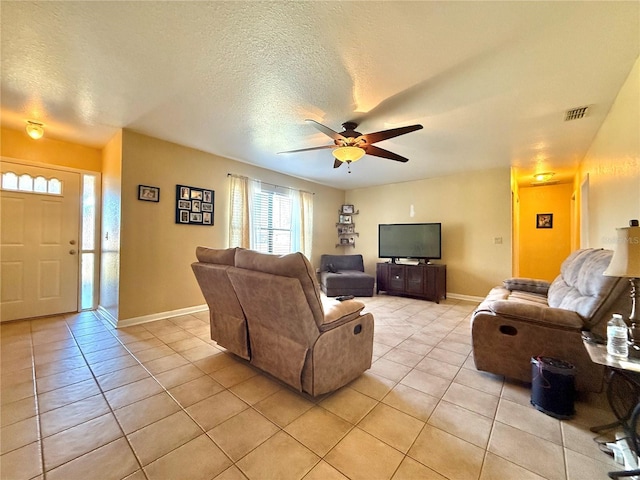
(314,345)
(529,318)
(226,318)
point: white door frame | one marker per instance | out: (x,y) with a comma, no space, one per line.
(98,175)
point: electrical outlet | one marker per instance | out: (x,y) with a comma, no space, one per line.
(497,240)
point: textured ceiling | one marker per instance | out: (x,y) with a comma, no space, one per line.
(490,81)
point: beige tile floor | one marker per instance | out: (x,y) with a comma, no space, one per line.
(82,400)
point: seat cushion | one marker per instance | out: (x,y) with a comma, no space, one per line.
(347,282)
(336,313)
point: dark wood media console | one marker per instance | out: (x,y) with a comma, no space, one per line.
(422,280)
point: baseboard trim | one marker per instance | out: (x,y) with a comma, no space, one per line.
(468,298)
(128,322)
(105,315)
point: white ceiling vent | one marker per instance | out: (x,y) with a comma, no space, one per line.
(575,113)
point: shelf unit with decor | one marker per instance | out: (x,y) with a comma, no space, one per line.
(345,226)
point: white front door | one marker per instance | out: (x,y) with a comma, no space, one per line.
(39,243)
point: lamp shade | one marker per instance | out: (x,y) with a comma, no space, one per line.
(348,154)
(626,257)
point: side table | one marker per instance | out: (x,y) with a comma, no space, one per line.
(623,395)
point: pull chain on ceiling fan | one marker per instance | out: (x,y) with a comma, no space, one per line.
(350,146)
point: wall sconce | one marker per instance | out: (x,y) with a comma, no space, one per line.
(35,129)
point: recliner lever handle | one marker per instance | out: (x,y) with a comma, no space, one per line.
(508,330)
(357,329)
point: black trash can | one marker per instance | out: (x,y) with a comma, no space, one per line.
(553,386)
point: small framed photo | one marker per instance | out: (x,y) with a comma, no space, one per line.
(184,216)
(195,206)
(195,217)
(352,240)
(345,218)
(207,196)
(344,241)
(351,229)
(148,194)
(184,204)
(347,209)
(544,220)
(196,194)
(206,207)
(184,193)
(206,218)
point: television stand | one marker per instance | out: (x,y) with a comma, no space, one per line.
(428,281)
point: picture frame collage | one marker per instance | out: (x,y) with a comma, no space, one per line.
(194,205)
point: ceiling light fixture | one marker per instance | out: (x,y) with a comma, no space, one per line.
(35,129)
(543,177)
(348,154)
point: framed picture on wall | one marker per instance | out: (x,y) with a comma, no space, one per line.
(347,209)
(194,205)
(148,194)
(544,220)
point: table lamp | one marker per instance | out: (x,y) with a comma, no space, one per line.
(626,263)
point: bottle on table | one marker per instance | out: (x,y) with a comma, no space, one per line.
(617,337)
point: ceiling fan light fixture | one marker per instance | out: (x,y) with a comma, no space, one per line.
(348,154)
(35,129)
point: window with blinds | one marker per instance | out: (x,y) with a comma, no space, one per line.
(271,221)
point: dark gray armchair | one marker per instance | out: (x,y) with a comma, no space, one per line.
(344,275)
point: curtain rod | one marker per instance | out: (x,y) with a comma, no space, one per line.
(267,183)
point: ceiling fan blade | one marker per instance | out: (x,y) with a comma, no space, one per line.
(336,163)
(386,134)
(326,130)
(308,149)
(380,152)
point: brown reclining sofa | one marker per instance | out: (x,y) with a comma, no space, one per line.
(269,310)
(528,318)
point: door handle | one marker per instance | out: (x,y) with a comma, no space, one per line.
(72,252)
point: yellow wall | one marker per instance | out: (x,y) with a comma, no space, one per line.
(156,253)
(612,165)
(19,145)
(515,225)
(474,209)
(542,250)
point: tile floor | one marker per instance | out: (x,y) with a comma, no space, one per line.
(82,400)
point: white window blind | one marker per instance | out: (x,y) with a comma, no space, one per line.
(271,212)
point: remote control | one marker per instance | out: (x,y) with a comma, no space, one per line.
(342,298)
(591,337)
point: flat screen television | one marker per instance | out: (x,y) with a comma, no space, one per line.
(422,241)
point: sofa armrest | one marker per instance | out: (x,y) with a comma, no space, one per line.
(337,313)
(527,285)
(546,316)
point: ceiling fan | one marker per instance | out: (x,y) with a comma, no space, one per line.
(350,146)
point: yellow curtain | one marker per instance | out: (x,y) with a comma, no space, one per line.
(239,215)
(306,222)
